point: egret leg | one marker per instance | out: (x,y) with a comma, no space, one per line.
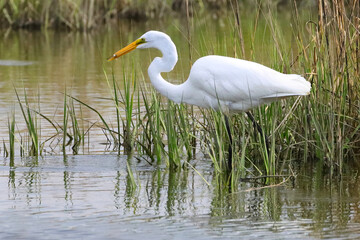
(259,129)
(230,160)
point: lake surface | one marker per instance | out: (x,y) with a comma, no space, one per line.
(90,196)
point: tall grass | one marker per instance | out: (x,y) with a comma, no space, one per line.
(78,132)
(90,14)
(31,124)
(73,14)
(128,100)
(334,104)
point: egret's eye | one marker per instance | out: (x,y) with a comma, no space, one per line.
(140,41)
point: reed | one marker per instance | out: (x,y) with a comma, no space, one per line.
(171,134)
(106,126)
(128,100)
(116,101)
(11,128)
(31,124)
(152,125)
(187,128)
(65,125)
(332,62)
(78,132)
(87,15)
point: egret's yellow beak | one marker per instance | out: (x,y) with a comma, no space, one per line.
(127,49)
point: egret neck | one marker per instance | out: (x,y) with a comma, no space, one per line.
(166,63)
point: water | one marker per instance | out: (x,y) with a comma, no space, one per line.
(91,196)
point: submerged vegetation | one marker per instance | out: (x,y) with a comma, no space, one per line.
(322,128)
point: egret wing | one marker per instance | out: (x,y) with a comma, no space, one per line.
(235,80)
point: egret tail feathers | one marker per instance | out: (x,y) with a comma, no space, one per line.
(298,87)
(302,86)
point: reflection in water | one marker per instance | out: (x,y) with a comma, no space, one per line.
(14,63)
(56,193)
(117,197)
(11,182)
(67,182)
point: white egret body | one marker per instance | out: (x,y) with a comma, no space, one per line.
(221,83)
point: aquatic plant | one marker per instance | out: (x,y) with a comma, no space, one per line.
(11,128)
(31,124)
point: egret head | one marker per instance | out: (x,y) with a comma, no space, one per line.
(148,40)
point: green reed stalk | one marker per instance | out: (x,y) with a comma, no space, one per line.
(215,135)
(78,136)
(116,101)
(151,123)
(185,124)
(31,123)
(128,99)
(157,127)
(106,125)
(113,87)
(11,128)
(172,135)
(146,142)
(65,124)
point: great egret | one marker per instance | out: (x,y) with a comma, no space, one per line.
(217,82)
